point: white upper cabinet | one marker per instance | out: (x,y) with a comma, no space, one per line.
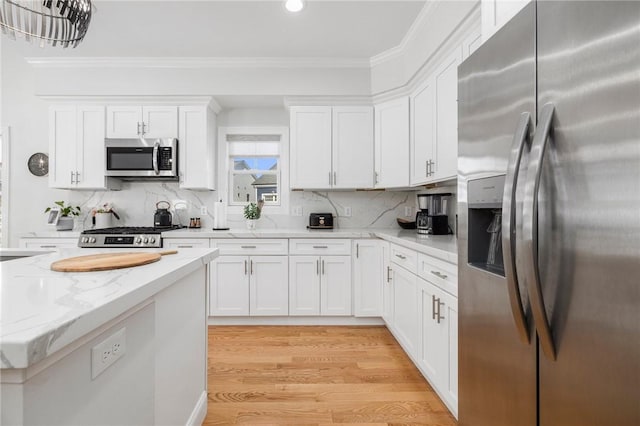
(197,147)
(76,147)
(352,147)
(446,91)
(496,13)
(434,124)
(423,115)
(310,164)
(331,147)
(132,121)
(392,144)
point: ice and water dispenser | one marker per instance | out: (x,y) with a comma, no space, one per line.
(485,223)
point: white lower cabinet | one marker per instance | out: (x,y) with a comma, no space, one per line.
(369,273)
(320,285)
(387,289)
(249,285)
(405,308)
(438,357)
(180,243)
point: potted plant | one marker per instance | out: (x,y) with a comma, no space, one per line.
(101,216)
(252,213)
(65,223)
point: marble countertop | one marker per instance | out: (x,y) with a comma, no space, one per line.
(52,234)
(441,246)
(42,311)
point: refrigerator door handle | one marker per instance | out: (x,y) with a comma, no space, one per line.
(530,230)
(509,234)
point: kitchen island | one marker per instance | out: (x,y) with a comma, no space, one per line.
(125,346)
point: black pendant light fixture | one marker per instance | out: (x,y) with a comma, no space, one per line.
(57,22)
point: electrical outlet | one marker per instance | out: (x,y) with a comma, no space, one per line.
(407,211)
(203,210)
(297,210)
(347,212)
(107,352)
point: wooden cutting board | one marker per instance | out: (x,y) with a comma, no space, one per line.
(107,261)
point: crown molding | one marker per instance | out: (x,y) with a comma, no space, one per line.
(193,62)
(135,100)
(290,101)
(400,49)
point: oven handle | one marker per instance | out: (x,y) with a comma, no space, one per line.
(156,151)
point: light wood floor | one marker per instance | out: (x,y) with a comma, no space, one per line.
(316,376)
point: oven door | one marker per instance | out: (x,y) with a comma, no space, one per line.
(141,158)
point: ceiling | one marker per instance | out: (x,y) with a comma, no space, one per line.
(242,29)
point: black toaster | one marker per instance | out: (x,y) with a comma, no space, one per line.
(321,221)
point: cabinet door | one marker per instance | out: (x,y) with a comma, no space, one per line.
(196,145)
(124,121)
(369,274)
(310,163)
(269,285)
(387,293)
(335,285)
(160,121)
(90,152)
(446,87)
(304,285)
(392,144)
(450,313)
(229,286)
(432,350)
(405,309)
(62,146)
(423,132)
(352,147)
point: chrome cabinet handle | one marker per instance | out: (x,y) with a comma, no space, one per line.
(185,246)
(426,168)
(529,243)
(77,177)
(322,266)
(245,267)
(357,251)
(375,178)
(329,178)
(317,266)
(439,316)
(144,130)
(251,263)
(388,273)
(138,132)
(71,177)
(320,246)
(433,307)
(48,246)
(247,247)
(509,228)
(335,180)
(401,256)
(439,275)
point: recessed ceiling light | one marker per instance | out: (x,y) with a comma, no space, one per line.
(294,5)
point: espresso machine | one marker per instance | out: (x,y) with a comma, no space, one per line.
(432,217)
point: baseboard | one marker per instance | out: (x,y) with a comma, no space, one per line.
(199,411)
(295,321)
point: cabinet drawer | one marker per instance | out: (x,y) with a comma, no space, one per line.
(404,257)
(440,273)
(48,243)
(177,243)
(327,246)
(248,247)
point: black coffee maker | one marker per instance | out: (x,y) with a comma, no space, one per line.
(432,218)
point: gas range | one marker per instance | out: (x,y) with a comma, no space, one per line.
(124,236)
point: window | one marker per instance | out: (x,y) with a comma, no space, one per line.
(254,178)
(255,169)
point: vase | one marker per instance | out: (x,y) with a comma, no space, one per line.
(103,220)
(251,224)
(65,223)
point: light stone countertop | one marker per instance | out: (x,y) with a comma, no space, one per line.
(441,246)
(42,311)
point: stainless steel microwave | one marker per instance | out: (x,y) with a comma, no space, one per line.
(142,158)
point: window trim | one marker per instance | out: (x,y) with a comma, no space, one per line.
(224,165)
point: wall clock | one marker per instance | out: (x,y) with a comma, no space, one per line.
(38,164)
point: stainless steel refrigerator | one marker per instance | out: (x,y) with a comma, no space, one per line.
(549,219)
